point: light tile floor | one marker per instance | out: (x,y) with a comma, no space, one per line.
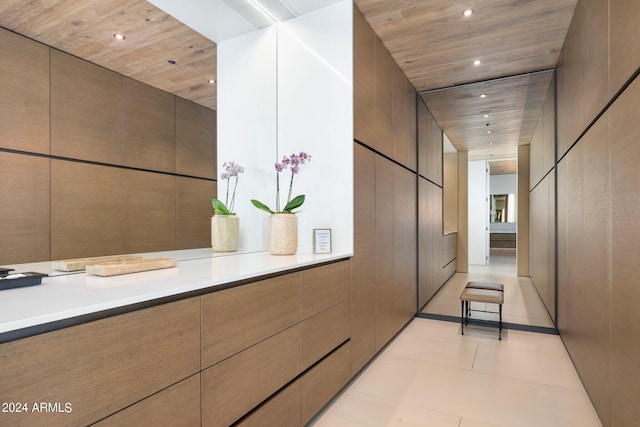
(522,304)
(431,375)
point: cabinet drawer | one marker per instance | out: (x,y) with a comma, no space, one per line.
(282,409)
(324,287)
(237,318)
(177,405)
(321,383)
(103,366)
(324,332)
(236,385)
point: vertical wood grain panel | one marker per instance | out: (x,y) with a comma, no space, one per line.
(551,247)
(436,152)
(405,247)
(574,79)
(150,127)
(595,54)
(324,287)
(87,212)
(195,139)
(193,212)
(103,366)
(563,103)
(282,410)
(624,43)
(323,381)
(149,212)
(562,210)
(363,262)
(462,242)
(596,264)
(24,88)
(364,89)
(25,212)
(403,120)
(177,405)
(425,243)
(87,119)
(323,332)
(236,385)
(384,69)
(251,314)
(424,136)
(384,244)
(548,130)
(625,247)
(523,222)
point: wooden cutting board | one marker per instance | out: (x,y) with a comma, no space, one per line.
(79,264)
(131,266)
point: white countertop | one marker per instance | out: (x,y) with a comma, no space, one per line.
(65,296)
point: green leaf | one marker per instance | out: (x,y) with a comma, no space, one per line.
(219,208)
(296,202)
(261,206)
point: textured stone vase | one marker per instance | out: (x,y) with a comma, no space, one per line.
(283,234)
(224,233)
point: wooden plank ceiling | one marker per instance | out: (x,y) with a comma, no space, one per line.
(85,29)
(430,39)
(436,46)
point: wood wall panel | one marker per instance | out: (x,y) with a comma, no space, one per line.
(86,210)
(323,332)
(623,44)
(548,117)
(363,262)
(523,223)
(103,366)
(177,405)
(462,246)
(194,212)
(323,381)
(624,324)
(364,88)
(573,121)
(384,244)
(252,313)
(595,54)
(425,123)
(426,266)
(149,127)
(596,263)
(24,88)
(324,287)
(403,120)
(563,104)
(254,374)
(405,246)
(25,212)
(87,120)
(384,70)
(282,410)
(195,140)
(149,212)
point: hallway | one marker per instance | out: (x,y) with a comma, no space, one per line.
(430,375)
(522,304)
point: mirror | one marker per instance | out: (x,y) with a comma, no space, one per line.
(502,208)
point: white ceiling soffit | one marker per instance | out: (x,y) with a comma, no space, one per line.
(220,20)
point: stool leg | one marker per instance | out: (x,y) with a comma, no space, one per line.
(500,329)
(462,318)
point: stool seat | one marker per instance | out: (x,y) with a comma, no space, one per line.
(490,296)
(482,295)
(485,285)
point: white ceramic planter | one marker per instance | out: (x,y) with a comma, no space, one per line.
(283,234)
(225,230)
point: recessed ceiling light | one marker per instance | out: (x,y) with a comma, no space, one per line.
(477,62)
(211,81)
(467,12)
(484,95)
(172,62)
(488,131)
(119,36)
(491,143)
(486,115)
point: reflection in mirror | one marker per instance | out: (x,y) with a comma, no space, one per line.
(503,208)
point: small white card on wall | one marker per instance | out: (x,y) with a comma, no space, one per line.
(322,240)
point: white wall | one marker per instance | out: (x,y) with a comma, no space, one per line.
(478,212)
(247,126)
(309,109)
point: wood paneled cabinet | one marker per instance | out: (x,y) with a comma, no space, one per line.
(233,355)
